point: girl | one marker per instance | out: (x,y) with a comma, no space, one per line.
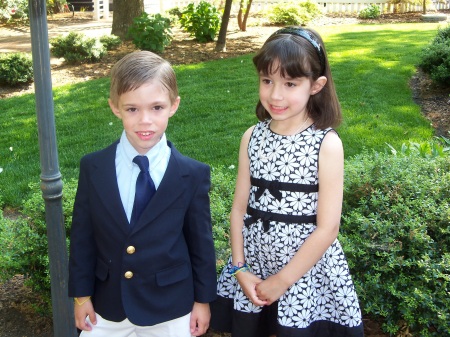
(287,275)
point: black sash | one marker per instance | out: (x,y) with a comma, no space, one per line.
(266,217)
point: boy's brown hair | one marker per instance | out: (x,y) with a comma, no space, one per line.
(138,68)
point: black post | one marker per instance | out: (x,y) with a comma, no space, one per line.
(51,183)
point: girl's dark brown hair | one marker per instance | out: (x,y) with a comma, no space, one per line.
(300,52)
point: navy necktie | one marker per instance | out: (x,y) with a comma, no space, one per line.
(145,188)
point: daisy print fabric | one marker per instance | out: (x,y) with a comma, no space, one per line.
(280,217)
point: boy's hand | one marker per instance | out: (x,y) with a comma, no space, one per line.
(249,282)
(82,311)
(200,317)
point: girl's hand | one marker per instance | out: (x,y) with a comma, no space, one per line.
(81,312)
(249,282)
(271,289)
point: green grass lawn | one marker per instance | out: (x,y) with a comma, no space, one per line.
(371,64)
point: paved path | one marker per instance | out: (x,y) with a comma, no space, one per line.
(18,39)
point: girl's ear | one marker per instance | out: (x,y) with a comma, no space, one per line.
(318,85)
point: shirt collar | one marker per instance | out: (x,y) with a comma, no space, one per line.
(154,155)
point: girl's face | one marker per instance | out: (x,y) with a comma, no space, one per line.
(145,113)
(285,98)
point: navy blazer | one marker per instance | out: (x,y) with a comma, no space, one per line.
(154,272)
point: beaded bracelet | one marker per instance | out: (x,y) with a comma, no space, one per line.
(77,301)
(242,266)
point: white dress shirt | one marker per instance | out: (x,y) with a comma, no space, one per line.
(127,171)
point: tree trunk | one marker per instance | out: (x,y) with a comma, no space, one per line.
(247,12)
(124,13)
(239,16)
(242,22)
(221,44)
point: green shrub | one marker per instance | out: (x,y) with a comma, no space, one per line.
(202,21)
(150,32)
(174,15)
(396,234)
(439,147)
(221,199)
(11,10)
(77,47)
(25,240)
(435,58)
(370,12)
(110,42)
(16,68)
(289,13)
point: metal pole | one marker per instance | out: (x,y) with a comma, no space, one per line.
(51,183)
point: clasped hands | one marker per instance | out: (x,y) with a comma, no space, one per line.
(262,292)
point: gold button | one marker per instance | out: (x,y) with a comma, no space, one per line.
(131,250)
(128,274)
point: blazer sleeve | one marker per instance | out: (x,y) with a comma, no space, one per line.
(199,237)
(82,247)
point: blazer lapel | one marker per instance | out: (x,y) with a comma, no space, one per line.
(104,179)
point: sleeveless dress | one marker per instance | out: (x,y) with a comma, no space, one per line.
(281,214)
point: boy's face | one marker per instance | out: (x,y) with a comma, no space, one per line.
(145,113)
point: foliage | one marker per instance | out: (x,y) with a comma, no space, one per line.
(16,68)
(77,47)
(55,6)
(150,32)
(371,12)
(440,147)
(396,234)
(290,13)
(221,198)
(201,21)
(174,15)
(26,239)
(13,10)
(110,42)
(435,58)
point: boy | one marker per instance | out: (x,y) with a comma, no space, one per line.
(149,272)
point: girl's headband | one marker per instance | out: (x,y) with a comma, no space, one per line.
(307,35)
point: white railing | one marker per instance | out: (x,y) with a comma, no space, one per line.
(101,9)
(327,6)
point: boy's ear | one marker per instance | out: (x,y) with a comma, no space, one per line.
(175,106)
(114,109)
(318,85)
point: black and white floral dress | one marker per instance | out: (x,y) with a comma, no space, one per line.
(280,216)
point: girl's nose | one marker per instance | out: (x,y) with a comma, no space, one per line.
(276,93)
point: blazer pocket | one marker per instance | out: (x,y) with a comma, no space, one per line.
(172,275)
(101,270)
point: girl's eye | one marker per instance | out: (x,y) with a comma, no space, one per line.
(290,84)
(265,81)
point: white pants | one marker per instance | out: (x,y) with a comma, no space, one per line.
(178,327)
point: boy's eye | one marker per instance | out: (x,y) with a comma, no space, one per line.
(158,107)
(132,109)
